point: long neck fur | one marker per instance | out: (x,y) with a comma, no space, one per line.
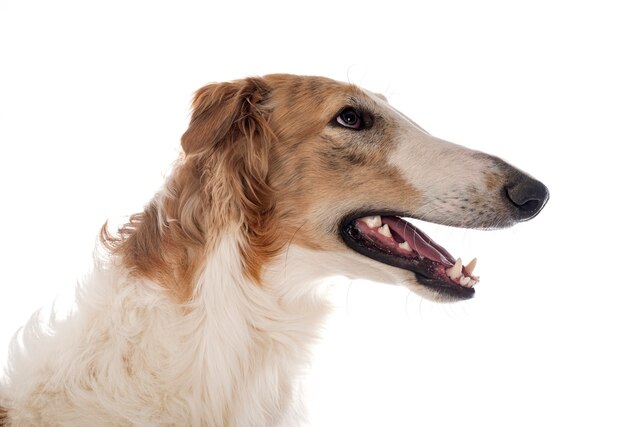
(210,241)
(248,342)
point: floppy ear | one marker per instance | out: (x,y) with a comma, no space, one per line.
(229,139)
(221,109)
(222,179)
(228,147)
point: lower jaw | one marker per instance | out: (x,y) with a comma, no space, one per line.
(445,289)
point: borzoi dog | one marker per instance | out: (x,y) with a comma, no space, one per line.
(201,308)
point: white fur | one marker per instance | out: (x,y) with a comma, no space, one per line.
(229,358)
(439,170)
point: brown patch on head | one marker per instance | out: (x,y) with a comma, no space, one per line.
(263,156)
(323,171)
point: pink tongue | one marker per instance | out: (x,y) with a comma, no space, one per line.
(418,240)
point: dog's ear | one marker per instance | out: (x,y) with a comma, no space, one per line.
(229,141)
(221,180)
(223,113)
(228,146)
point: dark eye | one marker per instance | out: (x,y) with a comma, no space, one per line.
(350,118)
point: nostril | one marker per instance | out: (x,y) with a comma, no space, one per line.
(528,196)
(527,206)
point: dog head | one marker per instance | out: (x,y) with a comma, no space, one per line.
(329,167)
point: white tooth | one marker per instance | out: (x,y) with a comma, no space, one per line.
(372,221)
(465,280)
(405,246)
(472,283)
(384,230)
(470,267)
(454,272)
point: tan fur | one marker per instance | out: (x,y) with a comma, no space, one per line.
(494,180)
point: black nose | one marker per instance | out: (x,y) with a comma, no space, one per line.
(528,196)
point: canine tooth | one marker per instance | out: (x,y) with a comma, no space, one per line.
(465,280)
(470,267)
(405,246)
(384,230)
(373,221)
(454,272)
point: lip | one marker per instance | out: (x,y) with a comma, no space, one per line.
(429,270)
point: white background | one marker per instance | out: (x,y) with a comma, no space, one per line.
(94,97)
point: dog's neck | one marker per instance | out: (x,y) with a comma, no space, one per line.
(253,339)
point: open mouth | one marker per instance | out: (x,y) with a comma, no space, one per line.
(391,240)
